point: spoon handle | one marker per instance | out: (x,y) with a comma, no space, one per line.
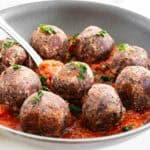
(8,29)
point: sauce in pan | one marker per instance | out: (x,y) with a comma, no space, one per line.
(130,121)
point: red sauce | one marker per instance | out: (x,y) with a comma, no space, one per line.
(8,119)
(76,129)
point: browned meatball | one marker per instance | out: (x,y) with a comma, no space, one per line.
(16,84)
(50,42)
(30,63)
(73,80)
(93,44)
(12,53)
(133,86)
(2,66)
(102,108)
(127,55)
(48,115)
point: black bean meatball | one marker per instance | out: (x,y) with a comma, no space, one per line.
(44,113)
(73,80)
(50,42)
(93,44)
(102,108)
(133,86)
(2,66)
(16,84)
(12,53)
(127,55)
(30,63)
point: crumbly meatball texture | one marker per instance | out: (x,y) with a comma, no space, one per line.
(133,86)
(50,46)
(73,80)
(92,45)
(131,56)
(15,54)
(47,117)
(16,85)
(102,108)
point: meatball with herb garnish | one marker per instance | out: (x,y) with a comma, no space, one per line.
(127,55)
(16,84)
(50,42)
(73,80)
(102,108)
(133,86)
(44,113)
(93,44)
(12,53)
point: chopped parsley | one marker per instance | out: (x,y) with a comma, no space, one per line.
(102,33)
(17,117)
(37,98)
(122,46)
(43,82)
(73,37)
(82,70)
(94,74)
(47,28)
(9,43)
(75,109)
(127,128)
(105,78)
(16,66)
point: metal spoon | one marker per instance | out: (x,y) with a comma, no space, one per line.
(7,28)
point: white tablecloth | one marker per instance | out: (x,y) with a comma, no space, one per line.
(140,142)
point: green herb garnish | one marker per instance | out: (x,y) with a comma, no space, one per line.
(94,74)
(43,82)
(105,78)
(75,109)
(15,66)
(73,37)
(37,98)
(9,43)
(17,117)
(127,128)
(82,70)
(122,46)
(47,28)
(102,33)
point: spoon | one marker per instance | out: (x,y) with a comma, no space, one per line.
(8,29)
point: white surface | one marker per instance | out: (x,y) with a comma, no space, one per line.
(140,142)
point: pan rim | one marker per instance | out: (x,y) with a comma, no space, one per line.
(84,140)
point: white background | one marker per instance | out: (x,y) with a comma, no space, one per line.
(141,142)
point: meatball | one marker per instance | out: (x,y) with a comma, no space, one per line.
(73,80)
(44,113)
(2,66)
(16,84)
(127,55)
(133,86)
(102,108)
(93,44)
(30,63)
(50,42)
(12,53)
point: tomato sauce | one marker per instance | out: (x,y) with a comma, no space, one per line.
(76,129)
